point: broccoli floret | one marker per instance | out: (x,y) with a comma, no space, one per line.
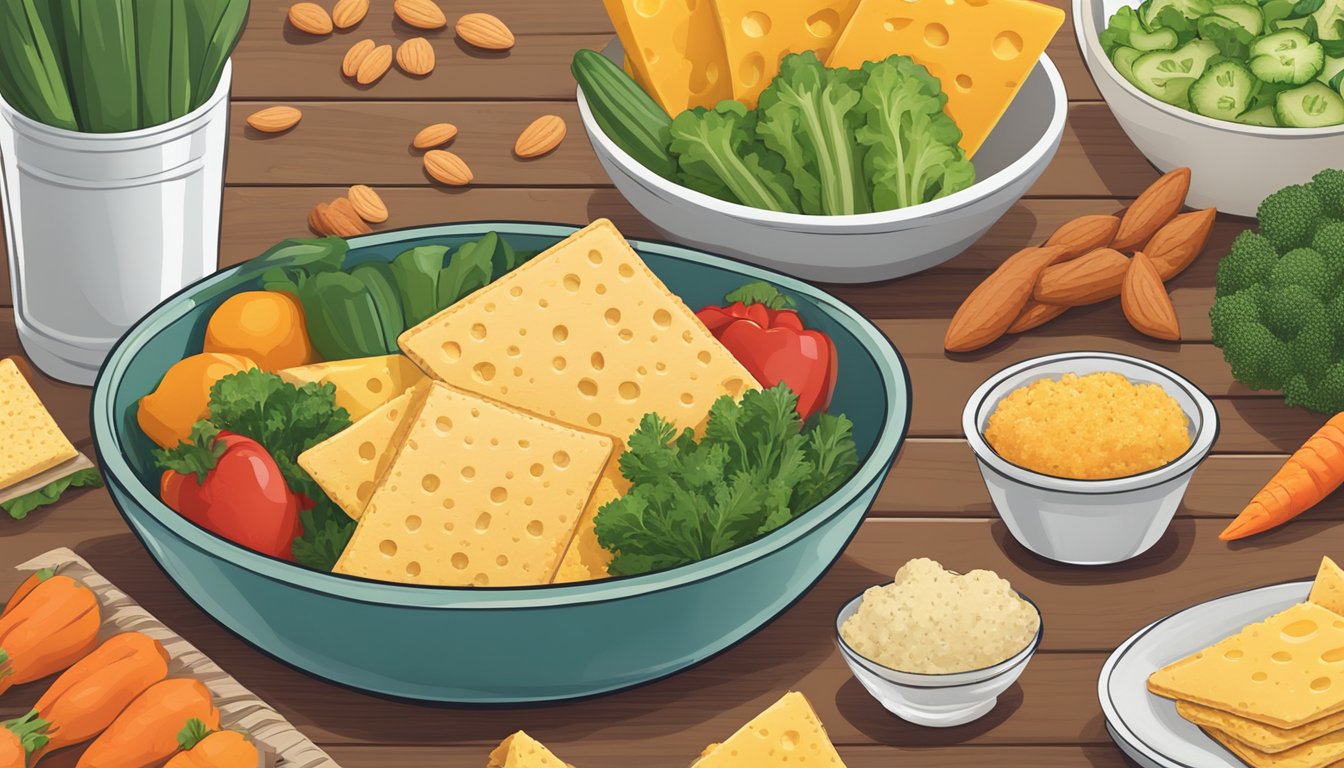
(1329,242)
(1313,351)
(1285,309)
(1229,312)
(1329,391)
(1289,217)
(1258,358)
(1304,267)
(1329,186)
(1247,264)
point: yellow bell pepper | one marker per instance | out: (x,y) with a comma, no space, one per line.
(183,396)
(266,326)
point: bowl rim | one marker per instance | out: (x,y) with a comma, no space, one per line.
(977,192)
(114,467)
(937,680)
(1205,435)
(1089,43)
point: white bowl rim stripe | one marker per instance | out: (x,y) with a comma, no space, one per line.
(1088,36)
(978,191)
(1187,462)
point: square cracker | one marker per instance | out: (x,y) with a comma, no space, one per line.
(30,440)
(1321,753)
(1258,736)
(1328,589)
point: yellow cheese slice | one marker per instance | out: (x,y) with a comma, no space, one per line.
(1285,671)
(674,51)
(981,50)
(1265,738)
(758,33)
(523,751)
(1323,752)
(362,384)
(1328,590)
(583,334)
(33,442)
(349,464)
(477,494)
(586,559)
(787,734)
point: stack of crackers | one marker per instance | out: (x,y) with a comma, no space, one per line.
(1272,694)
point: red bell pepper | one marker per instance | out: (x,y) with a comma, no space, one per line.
(230,485)
(766,335)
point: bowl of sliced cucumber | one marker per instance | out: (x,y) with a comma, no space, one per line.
(1249,94)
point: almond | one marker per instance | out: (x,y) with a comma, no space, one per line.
(356,56)
(992,307)
(1036,314)
(543,135)
(367,204)
(421,14)
(1157,205)
(348,13)
(340,216)
(416,56)
(447,168)
(374,66)
(1092,277)
(274,119)
(1085,234)
(1179,241)
(435,135)
(317,219)
(484,31)
(310,18)
(1146,303)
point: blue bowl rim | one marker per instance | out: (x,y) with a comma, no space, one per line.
(114,466)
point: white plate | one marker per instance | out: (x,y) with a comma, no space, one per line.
(1145,726)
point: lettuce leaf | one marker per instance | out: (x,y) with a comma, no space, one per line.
(718,154)
(19,507)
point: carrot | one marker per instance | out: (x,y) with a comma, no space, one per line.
(145,734)
(1309,475)
(204,748)
(50,623)
(88,696)
(12,753)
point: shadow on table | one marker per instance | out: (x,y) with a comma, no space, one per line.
(1166,555)
(789,649)
(870,719)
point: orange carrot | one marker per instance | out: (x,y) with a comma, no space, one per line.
(88,696)
(1309,475)
(145,734)
(204,748)
(50,623)
(12,753)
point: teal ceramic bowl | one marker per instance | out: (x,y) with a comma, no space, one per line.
(499,645)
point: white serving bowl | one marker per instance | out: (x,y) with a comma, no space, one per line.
(865,247)
(1088,522)
(1232,166)
(936,701)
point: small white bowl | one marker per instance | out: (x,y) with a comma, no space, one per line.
(864,247)
(1088,522)
(940,700)
(1232,166)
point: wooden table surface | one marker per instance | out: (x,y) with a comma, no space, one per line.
(933,505)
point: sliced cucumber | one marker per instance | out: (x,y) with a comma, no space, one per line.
(1299,24)
(1224,91)
(1263,116)
(1313,105)
(1160,39)
(1231,38)
(1167,75)
(1275,11)
(1248,17)
(1190,9)
(1123,58)
(1330,20)
(1287,57)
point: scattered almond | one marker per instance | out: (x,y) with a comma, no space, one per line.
(317,219)
(447,168)
(355,56)
(416,56)
(484,31)
(1179,241)
(274,119)
(1157,205)
(367,204)
(997,302)
(310,18)
(542,136)
(374,66)
(421,14)
(435,135)
(1092,277)
(340,216)
(348,13)
(1085,234)
(1146,303)
(1036,314)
